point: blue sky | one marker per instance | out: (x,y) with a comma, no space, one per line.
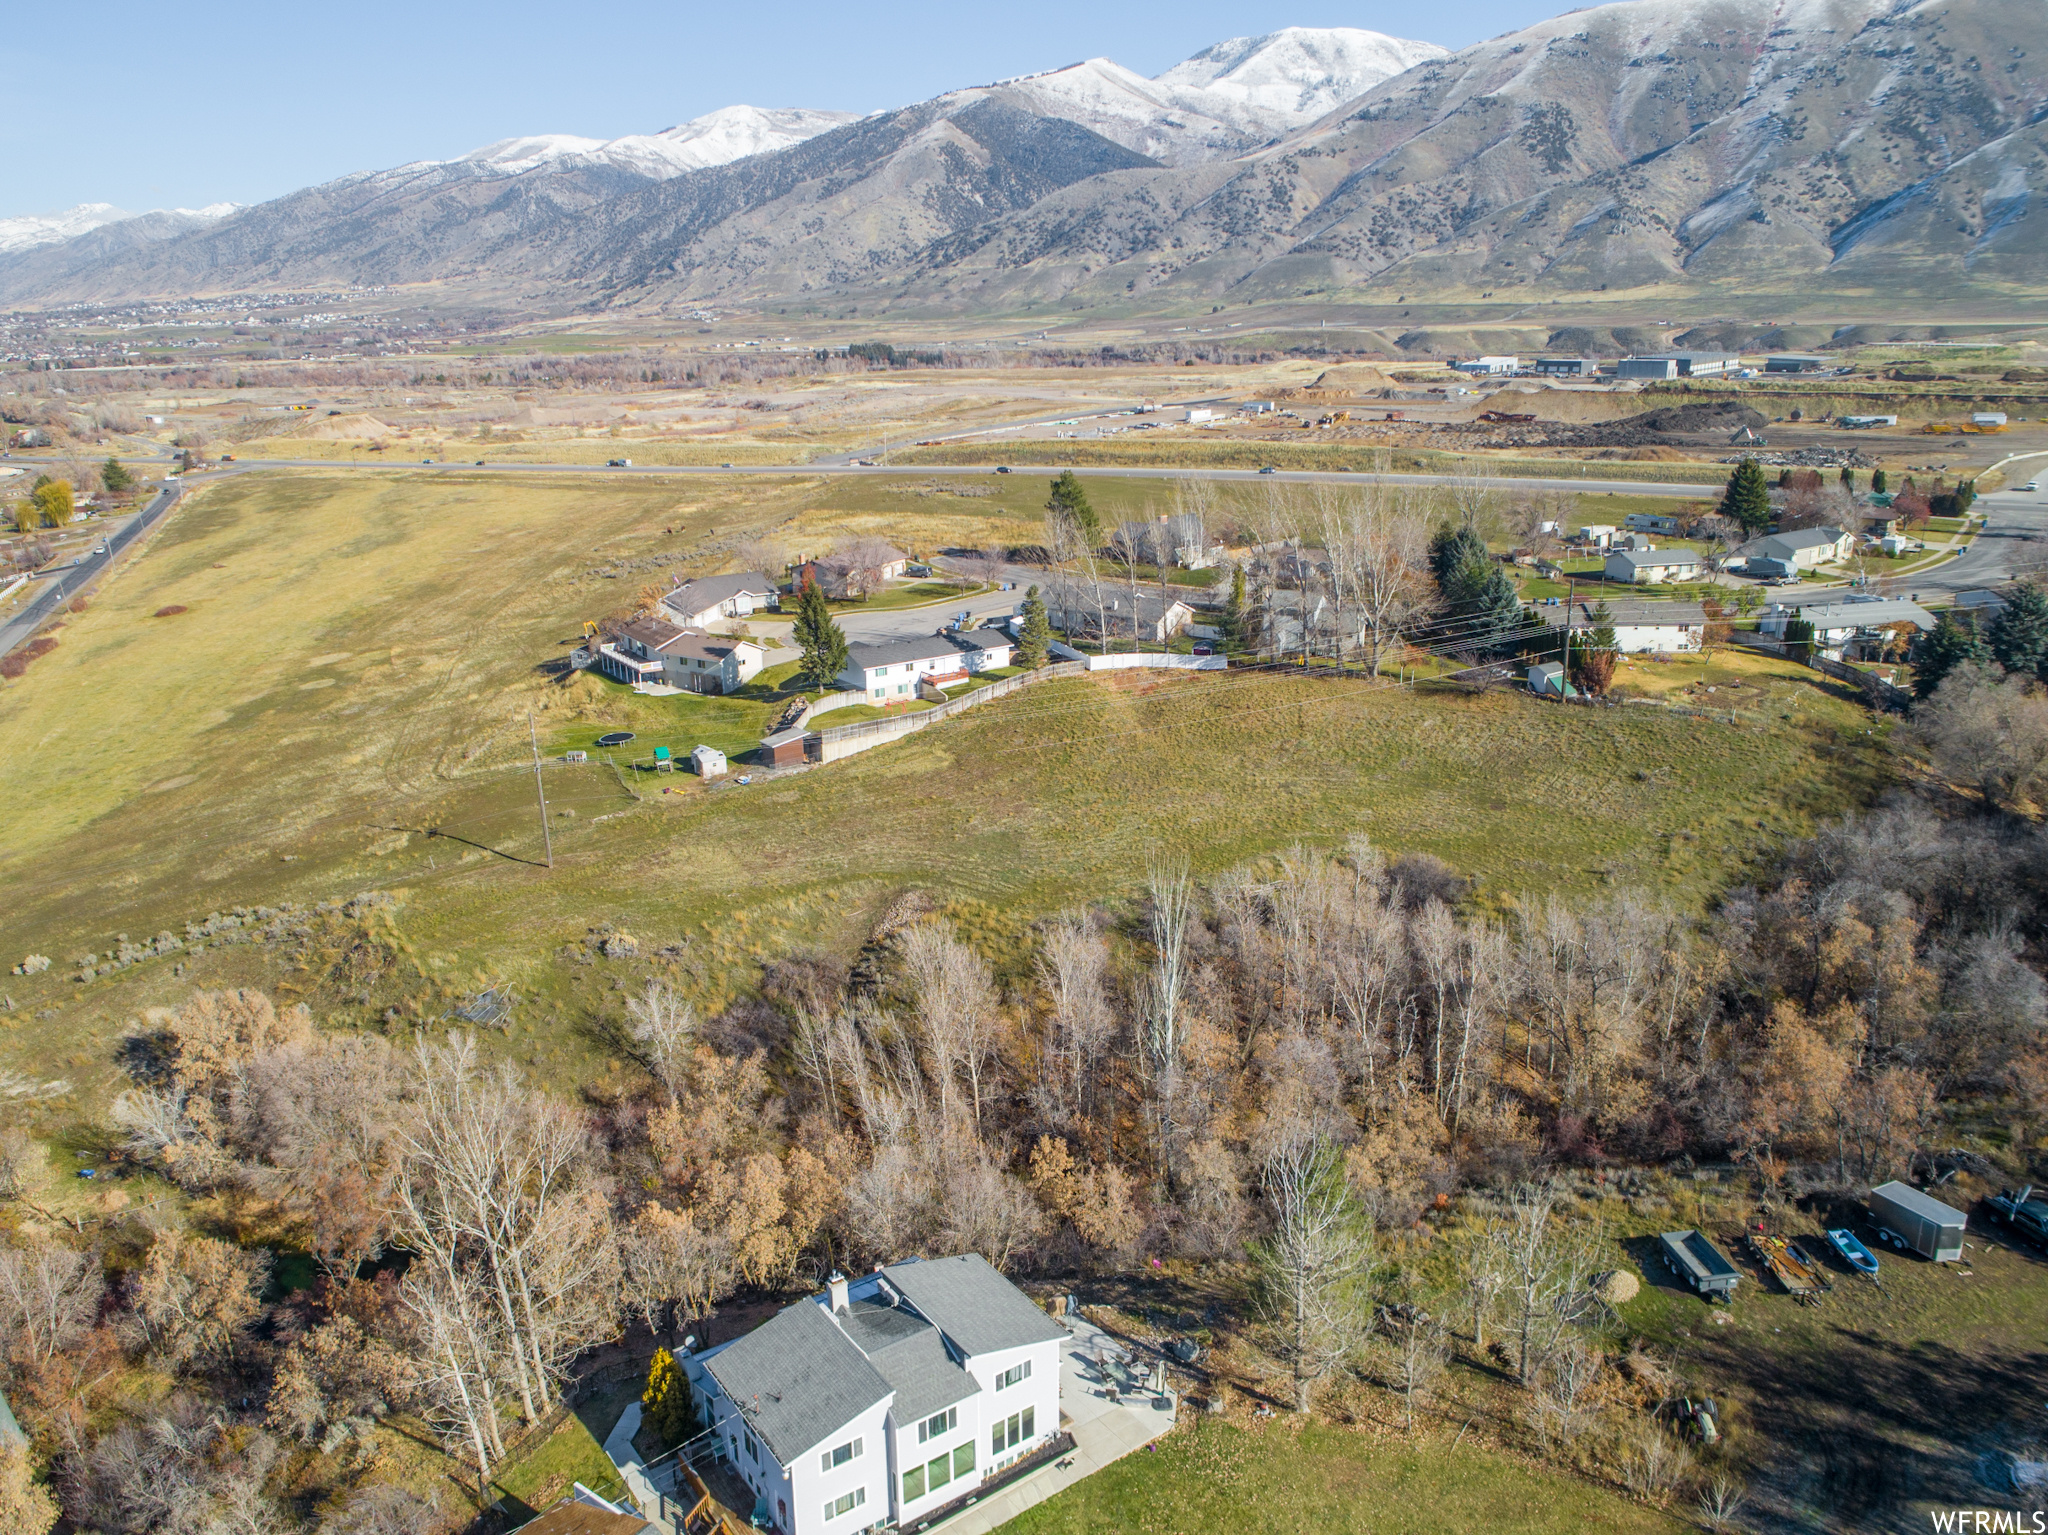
(166,106)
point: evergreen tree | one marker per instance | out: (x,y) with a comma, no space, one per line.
(1949,646)
(1451,550)
(1747,500)
(1070,500)
(2019,635)
(1494,613)
(1799,638)
(821,643)
(1877,482)
(665,1404)
(1848,479)
(115,477)
(1034,645)
(1233,610)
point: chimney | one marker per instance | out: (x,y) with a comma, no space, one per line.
(837,1283)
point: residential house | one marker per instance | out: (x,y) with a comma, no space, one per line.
(648,650)
(885,1399)
(1640,628)
(1980,604)
(1075,615)
(1850,627)
(703,602)
(1637,566)
(890,672)
(847,576)
(1803,549)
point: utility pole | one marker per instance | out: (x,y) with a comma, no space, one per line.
(547,839)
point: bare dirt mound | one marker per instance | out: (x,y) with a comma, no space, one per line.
(1697,424)
(338,428)
(1700,416)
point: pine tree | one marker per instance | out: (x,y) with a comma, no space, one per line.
(1451,550)
(1949,646)
(821,643)
(115,477)
(2019,635)
(1233,610)
(1848,479)
(665,1404)
(1495,612)
(1747,501)
(1035,644)
(1070,500)
(1877,482)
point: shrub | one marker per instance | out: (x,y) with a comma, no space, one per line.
(171,610)
(14,665)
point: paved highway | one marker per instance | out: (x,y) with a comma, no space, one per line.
(2014,538)
(70,578)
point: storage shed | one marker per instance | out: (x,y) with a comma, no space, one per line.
(709,762)
(783,749)
(1905,1217)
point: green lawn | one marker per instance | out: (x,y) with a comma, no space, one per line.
(1215,1479)
(855,714)
(550,1471)
(915,594)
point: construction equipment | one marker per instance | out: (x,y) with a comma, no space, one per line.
(1804,1280)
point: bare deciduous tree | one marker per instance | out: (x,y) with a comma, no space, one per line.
(665,1026)
(1315,1268)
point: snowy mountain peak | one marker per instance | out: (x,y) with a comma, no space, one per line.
(716,138)
(1290,77)
(48,228)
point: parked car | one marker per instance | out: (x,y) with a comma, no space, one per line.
(2033,484)
(227,458)
(1204,648)
(1002,468)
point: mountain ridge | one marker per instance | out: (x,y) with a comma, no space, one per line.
(1643,145)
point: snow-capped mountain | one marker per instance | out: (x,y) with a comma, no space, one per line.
(1226,99)
(1288,79)
(716,138)
(19,234)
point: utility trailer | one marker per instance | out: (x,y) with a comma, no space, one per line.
(1907,1218)
(1701,1264)
(1804,1280)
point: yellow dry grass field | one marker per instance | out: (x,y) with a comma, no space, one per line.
(343,706)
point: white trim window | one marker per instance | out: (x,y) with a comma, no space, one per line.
(845,1503)
(938,1423)
(831,1459)
(1015,1375)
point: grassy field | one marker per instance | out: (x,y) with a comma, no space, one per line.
(1283,1476)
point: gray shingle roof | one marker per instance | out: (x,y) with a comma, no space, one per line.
(972,1304)
(912,1357)
(797,1379)
(927,647)
(1652,559)
(709,591)
(1804,538)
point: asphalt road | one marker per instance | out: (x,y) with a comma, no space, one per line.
(58,588)
(1296,476)
(2015,537)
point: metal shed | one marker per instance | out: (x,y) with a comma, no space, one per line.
(709,762)
(1905,1217)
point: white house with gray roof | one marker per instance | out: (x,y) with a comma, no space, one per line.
(889,672)
(884,1399)
(703,602)
(1837,626)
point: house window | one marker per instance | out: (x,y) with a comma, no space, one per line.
(752,1453)
(937,1472)
(938,1423)
(1011,1376)
(1015,1429)
(839,1457)
(913,1484)
(846,1503)
(963,1458)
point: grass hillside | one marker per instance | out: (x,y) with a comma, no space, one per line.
(343,705)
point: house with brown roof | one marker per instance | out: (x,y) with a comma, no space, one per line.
(652,652)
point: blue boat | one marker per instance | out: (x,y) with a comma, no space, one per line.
(1853,1252)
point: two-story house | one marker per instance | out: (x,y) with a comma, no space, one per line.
(648,650)
(885,1398)
(890,672)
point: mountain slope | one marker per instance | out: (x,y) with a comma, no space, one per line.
(1760,146)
